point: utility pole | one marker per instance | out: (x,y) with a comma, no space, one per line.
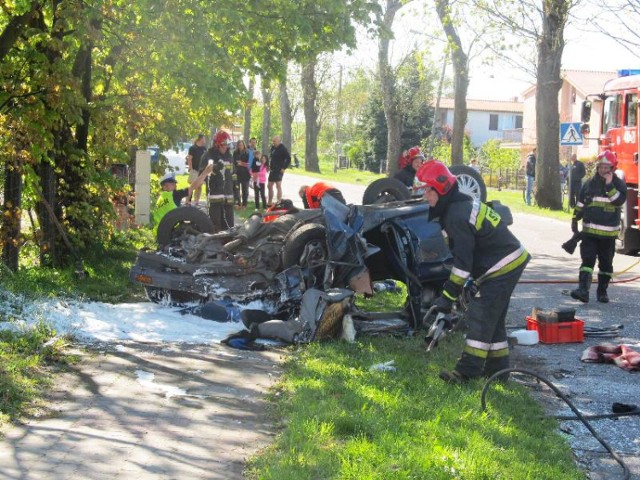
(338,114)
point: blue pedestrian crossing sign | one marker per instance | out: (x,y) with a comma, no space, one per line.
(570,134)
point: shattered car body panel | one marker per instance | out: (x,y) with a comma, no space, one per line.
(276,262)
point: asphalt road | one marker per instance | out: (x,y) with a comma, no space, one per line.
(592,387)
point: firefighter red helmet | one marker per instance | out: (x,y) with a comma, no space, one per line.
(607,158)
(220,137)
(436,175)
(415,152)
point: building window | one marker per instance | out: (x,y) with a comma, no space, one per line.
(518,121)
(493,121)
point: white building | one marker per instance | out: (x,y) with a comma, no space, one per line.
(576,86)
(488,119)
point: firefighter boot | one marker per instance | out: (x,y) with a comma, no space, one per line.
(584,284)
(494,365)
(603,283)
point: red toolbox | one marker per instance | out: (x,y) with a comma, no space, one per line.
(558,332)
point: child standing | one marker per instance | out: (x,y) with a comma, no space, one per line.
(260,170)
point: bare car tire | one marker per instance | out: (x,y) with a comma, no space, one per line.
(180,221)
(470,181)
(385,190)
(306,247)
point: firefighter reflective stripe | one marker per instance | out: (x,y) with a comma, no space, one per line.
(507,264)
(220,198)
(600,230)
(497,353)
(476,348)
(586,269)
(499,346)
(459,276)
(613,194)
(449,296)
(481,212)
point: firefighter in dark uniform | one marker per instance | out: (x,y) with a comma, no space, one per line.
(312,195)
(407,173)
(484,250)
(598,207)
(220,186)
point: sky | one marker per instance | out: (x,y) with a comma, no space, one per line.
(584,50)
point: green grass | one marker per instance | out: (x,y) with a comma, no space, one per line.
(107,269)
(513,199)
(27,360)
(339,420)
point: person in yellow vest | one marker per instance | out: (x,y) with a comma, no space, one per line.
(170,196)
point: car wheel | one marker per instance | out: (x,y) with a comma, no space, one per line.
(385,190)
(306,247)
(470,181)
(182,221)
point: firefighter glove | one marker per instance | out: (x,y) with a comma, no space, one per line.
(443,304)
(574,225)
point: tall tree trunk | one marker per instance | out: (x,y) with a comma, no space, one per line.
(246,131)
(461,81)
(266,116)
(48,251)
(312,128)
(82,70)
(286,117)
(388,87)
(10,237)
(548,84)
(16,26)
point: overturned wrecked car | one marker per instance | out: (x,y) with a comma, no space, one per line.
(276,262)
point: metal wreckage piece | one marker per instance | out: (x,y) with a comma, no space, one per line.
(275,263)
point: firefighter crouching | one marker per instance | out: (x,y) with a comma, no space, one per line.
(484,249)
(598,207)
(220,186)
(312,195)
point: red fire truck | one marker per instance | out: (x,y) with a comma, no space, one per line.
(619,133)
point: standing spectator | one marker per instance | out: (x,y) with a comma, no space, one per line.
(414,160)
(279,161)
(220,182)
(254,156)
(259,171)
(196,151)
(531,174)
(485,251)
(474,164)
(576,174)
(598,207)
(241,167)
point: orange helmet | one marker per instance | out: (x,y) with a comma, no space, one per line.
(607,158)
(436,175)
(220,137)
